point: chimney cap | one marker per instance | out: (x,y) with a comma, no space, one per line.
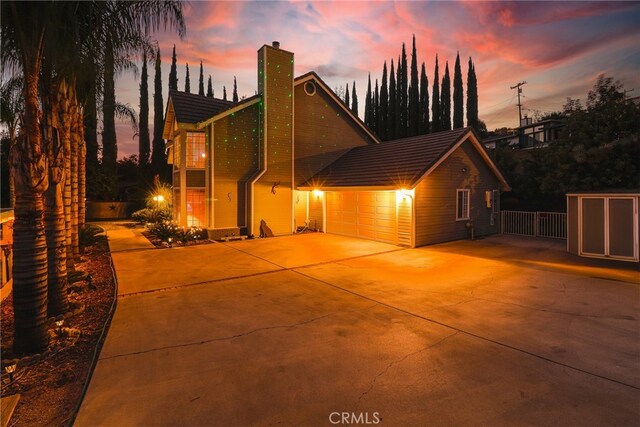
(276,44)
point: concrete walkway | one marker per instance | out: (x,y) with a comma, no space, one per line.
(290,330)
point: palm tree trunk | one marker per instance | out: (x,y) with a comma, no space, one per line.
(29,168)
(54,217)
(65,136)
(82,172)
(75,142)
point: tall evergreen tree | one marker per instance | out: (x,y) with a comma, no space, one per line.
(445,100)
(436,118)
(399,110)
(472,97)
(187,82)
(224,93)
(414,96)
(144,145)
(235,90)
(346,96)
(376,109)
(201,82)
(458,96)
(209,88)
(354,100)
(158,156)
(424,102)
(384,105)
(393,105)
(368,104)
(404,107)
(173,74)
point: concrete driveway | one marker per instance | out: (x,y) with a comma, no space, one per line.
(298,330)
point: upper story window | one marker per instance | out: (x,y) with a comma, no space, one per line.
(195,149)
(462,204)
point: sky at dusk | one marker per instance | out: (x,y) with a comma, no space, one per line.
(558,48)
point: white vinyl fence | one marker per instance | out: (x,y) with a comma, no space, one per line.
(542,224)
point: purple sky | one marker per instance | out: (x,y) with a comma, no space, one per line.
(559,48)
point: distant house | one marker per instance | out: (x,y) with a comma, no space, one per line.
(295,156)
(528,135)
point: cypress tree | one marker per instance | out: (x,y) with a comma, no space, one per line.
(458,96)
(158,157)
(376,109)
(346,96)
(414,97)
(393,105)
(235,90)
(354,99)
(144,145)
(404,107)
(399,111)
(445,100)
(224,93)
(209,88)
(384,105)
(424,102)
(201,82)
(367,104)
(187,82)
(173,74)
(436,119)
(472,97)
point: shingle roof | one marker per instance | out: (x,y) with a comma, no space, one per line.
(393,163)
(192,108)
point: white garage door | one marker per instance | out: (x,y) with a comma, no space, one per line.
(365,214)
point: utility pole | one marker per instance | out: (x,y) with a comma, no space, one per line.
(518,86)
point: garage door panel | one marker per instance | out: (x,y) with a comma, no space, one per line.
(366,214)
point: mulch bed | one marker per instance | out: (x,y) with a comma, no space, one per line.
(52,387)
(158,243)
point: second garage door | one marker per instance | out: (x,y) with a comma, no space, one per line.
(365,214)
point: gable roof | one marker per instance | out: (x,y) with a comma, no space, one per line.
(192,108)
(240,105)
(311,75)
(397,164)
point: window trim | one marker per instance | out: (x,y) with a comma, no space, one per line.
(466,191)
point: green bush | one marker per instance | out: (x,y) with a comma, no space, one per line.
(151,215)
(166,229)
(87,234)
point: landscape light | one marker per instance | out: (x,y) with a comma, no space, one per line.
(10,369)
(59,324)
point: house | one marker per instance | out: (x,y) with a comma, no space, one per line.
(528,135)
(293,155)
(604,224)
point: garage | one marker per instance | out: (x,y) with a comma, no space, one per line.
(604,225)
(365,214)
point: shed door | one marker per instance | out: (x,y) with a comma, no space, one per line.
(366,214)
(608,227)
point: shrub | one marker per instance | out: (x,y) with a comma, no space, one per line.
(166,229)
(87,234)
(151,215)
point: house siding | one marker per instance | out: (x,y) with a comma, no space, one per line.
(323,132)
(273,192)
(300,207)
(235,159)
(435,198)
(316,211)
(572,225)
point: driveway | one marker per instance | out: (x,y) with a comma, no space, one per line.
(291,330)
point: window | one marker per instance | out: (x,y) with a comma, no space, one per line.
(462,205)
(310,88)
(195,208)
(195,149)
